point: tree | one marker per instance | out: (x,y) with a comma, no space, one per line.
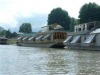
(73,23)
(14,34)
(89,12)
(2,33)
(25,28)
(60,17)
(8,34)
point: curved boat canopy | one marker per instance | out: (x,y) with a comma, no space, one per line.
(19,38)
(75,39)
(89,38)
(39,37)
(31,38)
(46,36)
(67,39)
(24,38)
(95,31)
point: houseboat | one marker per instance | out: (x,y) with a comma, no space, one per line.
(85,36)
(3,40)
(51,36)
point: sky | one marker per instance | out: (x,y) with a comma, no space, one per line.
(15,12)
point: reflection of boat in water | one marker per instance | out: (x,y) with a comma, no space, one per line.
(45,38)
(86,36)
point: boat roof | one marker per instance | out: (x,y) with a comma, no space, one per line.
(50,32)
(3,38)
(95,31)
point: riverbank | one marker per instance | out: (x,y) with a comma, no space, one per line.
(12,41)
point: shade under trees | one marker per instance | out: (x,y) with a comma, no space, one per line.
(60,17)
(25,28)
(89,12)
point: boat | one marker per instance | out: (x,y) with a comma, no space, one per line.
(50,36)
(85,36)
(3,40)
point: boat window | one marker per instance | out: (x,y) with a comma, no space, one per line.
(79,29)
(55,35)
(67,39)
(75,39)
(83,27)
(91,26)
(89,39)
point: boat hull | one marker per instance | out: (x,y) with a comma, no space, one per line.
(94,48)
(46,45)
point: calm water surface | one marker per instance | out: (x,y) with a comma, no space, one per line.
(15,60)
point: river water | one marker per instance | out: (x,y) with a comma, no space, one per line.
(16,60)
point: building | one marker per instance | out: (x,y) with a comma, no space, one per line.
(87,26)
(54,26)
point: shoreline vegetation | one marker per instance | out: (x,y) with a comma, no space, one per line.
(11,41)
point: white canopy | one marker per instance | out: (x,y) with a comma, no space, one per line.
(39,37)
(89,38)
(96,31)
(24,38)
(46,36)
(31,38)
(75,39)
(67,39)
(19,38)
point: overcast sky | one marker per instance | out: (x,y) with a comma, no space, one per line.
(14,12)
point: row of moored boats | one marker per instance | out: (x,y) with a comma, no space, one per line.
(85,36)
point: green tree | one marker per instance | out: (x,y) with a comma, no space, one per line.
(14,34)
(8,34)
(25,28)
(59,16)
(2,33)
(73,23)
(89,12)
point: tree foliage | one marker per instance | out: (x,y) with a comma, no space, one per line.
(8,34)
(2,33)
(89,12)
(59,16)
(14,34)
(25,28)
(73,23)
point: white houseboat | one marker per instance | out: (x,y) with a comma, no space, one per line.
(86,36)
(49,36)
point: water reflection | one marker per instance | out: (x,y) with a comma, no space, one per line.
(89,63)
(56,63)
(16,60)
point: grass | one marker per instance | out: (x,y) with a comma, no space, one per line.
(12,41)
